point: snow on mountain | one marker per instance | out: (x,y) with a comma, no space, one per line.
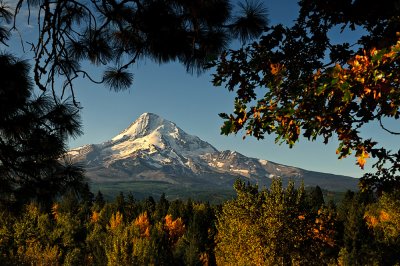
(153,133)
(155,149)
(154,137)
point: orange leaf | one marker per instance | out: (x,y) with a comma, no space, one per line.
(275,68)
(361,159)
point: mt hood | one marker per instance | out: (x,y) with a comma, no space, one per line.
(155,151)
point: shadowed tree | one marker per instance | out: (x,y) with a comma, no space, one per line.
(33,132)
(99,200)
(192,32)
(315,198)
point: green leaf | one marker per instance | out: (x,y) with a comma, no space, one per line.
(227,128)
(347,95)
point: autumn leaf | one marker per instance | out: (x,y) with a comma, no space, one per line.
(95,217)
(361,159)
(142,221)
(116,220)
(384,216)
(175,228)
(275,68)
(54,211)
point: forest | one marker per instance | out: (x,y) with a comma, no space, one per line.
(312,87)
(260,226)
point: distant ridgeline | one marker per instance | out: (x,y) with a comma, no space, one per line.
(153,156)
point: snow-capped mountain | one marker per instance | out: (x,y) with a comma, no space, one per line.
(153,149)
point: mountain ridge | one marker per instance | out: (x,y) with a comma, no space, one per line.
(153,149)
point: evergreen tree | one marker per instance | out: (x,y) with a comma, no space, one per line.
(358,243)
(69,203)
(161,208)
(99,201)
(316,198)
(177,208)
(33,133)
(86,196)
(120,203)
(198,245)
(149,205)
(192,32)
(131,208)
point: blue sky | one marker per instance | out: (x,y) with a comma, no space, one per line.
(193,103)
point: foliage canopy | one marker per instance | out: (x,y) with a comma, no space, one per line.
(298,81)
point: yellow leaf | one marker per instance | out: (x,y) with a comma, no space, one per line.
(384,216)
(116,220)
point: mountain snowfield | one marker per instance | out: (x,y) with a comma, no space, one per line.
(157,151)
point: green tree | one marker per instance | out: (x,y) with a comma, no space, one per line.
(33,240)
(119,203)
(95,243)
(161,253)
(383,218)
(119,242)
(131,208)
(149,205)
(358,246)
(33,132)
(69,203)
(161,208)
(316,198)
(197,245)
(99,201)
(70,234)
(298,81)
(272,227)
(7,245)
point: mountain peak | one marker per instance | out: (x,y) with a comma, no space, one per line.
(143,125)
(150,131)
(149,116)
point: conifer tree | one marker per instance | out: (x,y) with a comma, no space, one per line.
(99,201)
(33,135)
(316,198)
(104,32)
